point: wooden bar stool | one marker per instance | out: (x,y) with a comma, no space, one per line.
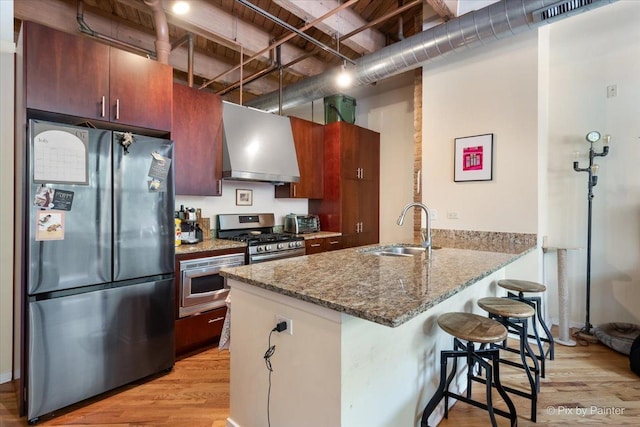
(522,287)
(514,316)
(471,328)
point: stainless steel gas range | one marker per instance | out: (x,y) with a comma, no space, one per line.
(257,231)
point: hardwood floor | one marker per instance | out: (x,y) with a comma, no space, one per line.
(196,393)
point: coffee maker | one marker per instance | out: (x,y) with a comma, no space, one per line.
(191,231)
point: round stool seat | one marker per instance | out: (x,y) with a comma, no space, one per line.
(472,327)
(521,285)
(506,307)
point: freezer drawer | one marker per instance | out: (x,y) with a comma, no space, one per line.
(85,344)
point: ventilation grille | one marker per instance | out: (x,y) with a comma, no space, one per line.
(558,9)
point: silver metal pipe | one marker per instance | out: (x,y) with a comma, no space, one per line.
(293,29)
(496,21)
(86,29)
(163,46)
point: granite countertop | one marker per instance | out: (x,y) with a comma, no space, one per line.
(209,245)
(385,290)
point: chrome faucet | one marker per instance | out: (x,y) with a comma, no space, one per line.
(426,235)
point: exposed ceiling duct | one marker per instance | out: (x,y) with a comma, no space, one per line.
(163,46)
(496,21)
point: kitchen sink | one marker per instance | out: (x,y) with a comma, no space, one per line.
(400,251)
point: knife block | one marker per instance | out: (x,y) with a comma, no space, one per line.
(205,225)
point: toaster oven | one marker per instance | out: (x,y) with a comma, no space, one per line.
(298,224)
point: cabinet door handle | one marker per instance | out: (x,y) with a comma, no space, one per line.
(361,173)
(217,319)
(117,109)
(294,190)
(102,106)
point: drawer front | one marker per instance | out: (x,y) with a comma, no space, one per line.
(333,243)
(315,246)
(195,332)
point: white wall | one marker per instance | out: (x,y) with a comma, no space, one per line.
(540,93)
(492,89)
(7,49)
(263,202)
(588,53)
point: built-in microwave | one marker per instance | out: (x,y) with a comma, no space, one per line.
(202,287)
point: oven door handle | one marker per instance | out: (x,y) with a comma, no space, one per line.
(277,255)
(205,271)
(206,294)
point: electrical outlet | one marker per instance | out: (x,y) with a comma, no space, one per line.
(434,214)
(453,215)
(612,91)
(289,322)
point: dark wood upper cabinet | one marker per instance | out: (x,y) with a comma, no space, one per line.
(351,201)
(197,136)
(140,91)
(309,140)
(77,76)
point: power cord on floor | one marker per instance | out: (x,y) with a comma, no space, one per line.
(271,349)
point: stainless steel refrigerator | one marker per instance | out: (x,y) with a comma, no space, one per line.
(99,263)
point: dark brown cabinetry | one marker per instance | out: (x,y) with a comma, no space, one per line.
(77,76)
(197,134)
(308,138)
(351,184)
(324,244)
(196,332)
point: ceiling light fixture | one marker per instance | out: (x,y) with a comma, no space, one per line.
(180,7)
(344,77)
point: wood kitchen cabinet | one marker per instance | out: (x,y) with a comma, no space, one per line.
(196,332)
(197,136)
(323,244)
(351,198)
(78,76)
(309,140)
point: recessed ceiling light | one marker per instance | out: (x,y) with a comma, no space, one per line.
(180,7)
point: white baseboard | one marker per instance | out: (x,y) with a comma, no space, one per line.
(5,377)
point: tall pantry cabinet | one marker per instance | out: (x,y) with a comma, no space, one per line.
(351,198)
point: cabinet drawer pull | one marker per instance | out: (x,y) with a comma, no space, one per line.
(117,109)
(102,107)
(335,242)
(314,245)
(217,319)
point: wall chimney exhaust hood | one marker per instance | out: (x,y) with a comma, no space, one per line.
(257,146)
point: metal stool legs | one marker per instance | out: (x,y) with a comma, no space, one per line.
(492,379)
(525,350)
(536,303)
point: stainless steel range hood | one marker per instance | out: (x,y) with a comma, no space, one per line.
(257,146)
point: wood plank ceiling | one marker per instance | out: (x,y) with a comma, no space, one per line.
(220,27)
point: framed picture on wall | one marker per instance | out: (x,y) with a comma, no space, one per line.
(244,197)
(473,158)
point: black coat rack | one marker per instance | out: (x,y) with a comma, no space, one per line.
(592,137)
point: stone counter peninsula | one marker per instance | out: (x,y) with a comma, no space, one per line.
(364,344)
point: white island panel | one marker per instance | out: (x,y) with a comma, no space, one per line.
(336,369)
